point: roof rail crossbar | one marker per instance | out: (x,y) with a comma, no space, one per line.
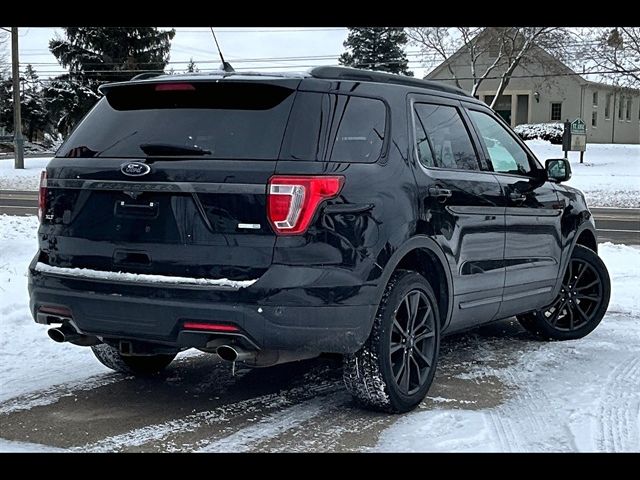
(347,73)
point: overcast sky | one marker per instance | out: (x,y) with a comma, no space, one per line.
(237,45)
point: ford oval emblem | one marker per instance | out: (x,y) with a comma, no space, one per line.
(135,169)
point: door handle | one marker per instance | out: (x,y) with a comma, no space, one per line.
(517,197)
(440,193)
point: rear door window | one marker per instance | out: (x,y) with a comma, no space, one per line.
(442,139)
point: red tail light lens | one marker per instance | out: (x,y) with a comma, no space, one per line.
(292,201)
(42,195)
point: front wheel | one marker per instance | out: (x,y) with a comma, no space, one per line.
(394,369)
(131,364)
(581,303)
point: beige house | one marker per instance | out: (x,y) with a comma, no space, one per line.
(543,89)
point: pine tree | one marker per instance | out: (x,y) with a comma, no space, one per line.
(96,55)
(192,67)
(111,54)
(376,48)
(35,114)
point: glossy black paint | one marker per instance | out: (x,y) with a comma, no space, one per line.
(318,291)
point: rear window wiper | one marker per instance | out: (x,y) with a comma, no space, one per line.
(171,149)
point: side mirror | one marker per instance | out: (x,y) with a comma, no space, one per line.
(558,169)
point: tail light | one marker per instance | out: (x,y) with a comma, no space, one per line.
(42,195)
(292,201)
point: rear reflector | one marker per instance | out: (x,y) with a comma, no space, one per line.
(211,327)
(55,310)
(293,200)
(42,195)
(172,87)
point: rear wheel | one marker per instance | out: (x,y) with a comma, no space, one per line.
(131,364)
(581,303)
(395,367)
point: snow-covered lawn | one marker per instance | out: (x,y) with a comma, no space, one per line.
(29,360)
(562,396)
(27,179)
(610,176)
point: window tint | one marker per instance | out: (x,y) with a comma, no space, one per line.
(203,120)
(307,131)
(505,153)
(442,139)
(360,129)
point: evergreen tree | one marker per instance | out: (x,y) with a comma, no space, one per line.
(192,67)
(96,55)
(35,114)
(376,48)
(111,54)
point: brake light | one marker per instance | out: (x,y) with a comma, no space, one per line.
(42,195)
(168,87)
(292,201)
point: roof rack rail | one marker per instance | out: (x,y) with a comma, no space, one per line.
(347,73)
(142,76)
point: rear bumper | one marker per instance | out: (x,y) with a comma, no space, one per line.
(158,313)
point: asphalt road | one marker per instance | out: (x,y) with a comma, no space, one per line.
(617,225)
(197,404)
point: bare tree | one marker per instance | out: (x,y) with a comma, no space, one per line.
(4,54)
(489,52)
(616,52)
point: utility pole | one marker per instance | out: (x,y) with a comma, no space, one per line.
(18,139)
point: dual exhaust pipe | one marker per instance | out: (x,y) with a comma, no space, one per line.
(260,358)
(67,333)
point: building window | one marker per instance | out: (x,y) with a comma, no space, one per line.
(556,111)
(629,103)
(594,119)
(607,107)
(621,108)
(595,99)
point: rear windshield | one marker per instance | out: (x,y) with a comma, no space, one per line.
(205,120)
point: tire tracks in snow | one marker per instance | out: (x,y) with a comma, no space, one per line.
(619,412)
(187,433)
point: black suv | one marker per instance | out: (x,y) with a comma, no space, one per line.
(271,218)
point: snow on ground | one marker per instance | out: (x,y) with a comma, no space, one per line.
(27,179)
(7,446)
(29,359)
(609,176)
(581,395)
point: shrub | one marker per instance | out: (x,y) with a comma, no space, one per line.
(543,131)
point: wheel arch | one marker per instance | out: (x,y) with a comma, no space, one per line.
(586,236)
(423,255)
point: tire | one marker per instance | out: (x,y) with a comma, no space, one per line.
(581,303)
(145,365)
(376,374)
